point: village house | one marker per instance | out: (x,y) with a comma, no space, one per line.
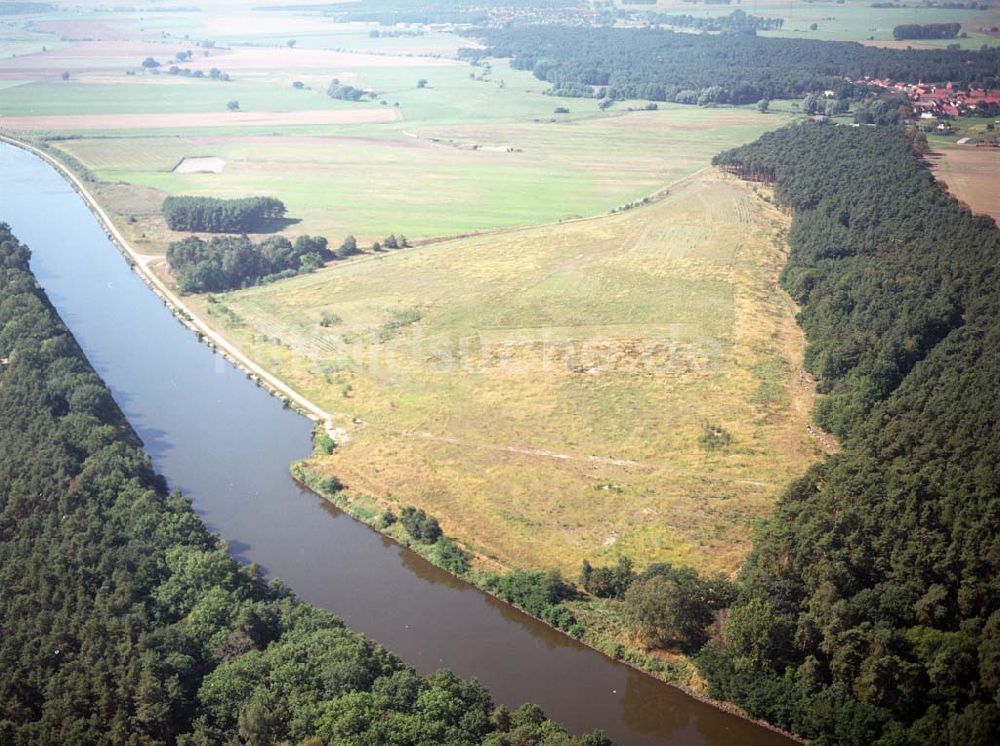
(932,101)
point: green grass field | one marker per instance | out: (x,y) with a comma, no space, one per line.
(851,20)
(544,391)
(468,154)
(398,180)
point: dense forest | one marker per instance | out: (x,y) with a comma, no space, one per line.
(660,65)
(869,608)
(123,620)
(391,12)
(213,215)
(230,262)
(926,31)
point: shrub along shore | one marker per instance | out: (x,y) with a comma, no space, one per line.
(867,611)
(122,617)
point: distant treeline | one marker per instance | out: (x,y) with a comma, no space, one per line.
(932,4)
(213,215)
(229,262)
(391,12)
(344,92)
(926,31)
(123,619)
(869,607)
(661,65)
(736,22)
(13,9)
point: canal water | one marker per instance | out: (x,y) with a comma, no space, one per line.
(228,444)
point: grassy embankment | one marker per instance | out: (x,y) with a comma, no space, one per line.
(535,445)
(545,391)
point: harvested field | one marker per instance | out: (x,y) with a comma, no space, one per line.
(973,175)
(904,43)
(205,165)
(80,57)
(199,119)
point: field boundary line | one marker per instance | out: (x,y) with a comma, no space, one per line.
(182,311)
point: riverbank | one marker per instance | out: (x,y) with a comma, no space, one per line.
(177,307)
(190,321)
(679,673)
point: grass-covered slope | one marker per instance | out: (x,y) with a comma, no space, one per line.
(123,620)
(545,392)
(870,601)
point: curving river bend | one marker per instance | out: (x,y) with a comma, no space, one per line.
(228,444)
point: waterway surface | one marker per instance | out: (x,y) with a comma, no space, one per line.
(228,444)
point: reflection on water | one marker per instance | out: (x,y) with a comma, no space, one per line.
(217,437)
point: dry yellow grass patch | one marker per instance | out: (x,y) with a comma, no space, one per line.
(544,392)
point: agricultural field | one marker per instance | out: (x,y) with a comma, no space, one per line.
(851,20)
(623,384)
(967,160)
(421,179)
(971,174)
(472,148)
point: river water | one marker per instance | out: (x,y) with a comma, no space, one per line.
(228,444)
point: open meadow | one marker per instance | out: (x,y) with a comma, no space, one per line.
(418,178)
(849,20)
(624,384)
(469,149)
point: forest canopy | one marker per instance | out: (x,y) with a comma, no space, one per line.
(213,215)
(926,31)
(869,609)
(124,620)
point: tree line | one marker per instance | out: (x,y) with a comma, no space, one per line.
(214,215)
(229,262)
(869,608)
(393,12)
(662,65)
(926,31)
(123,619)
(232,262)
